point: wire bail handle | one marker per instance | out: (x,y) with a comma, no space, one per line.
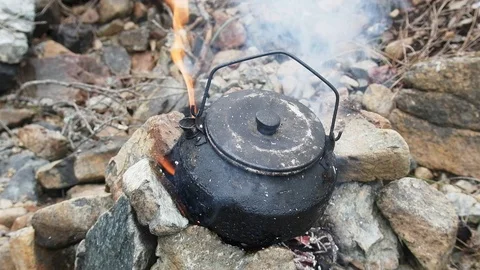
(214,70)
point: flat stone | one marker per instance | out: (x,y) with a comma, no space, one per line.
(86,167)
(442,148)
(15,117)
(142,184)
(23,186)
(362,234)
(110,29)
(117,59)
(111,9)
(50,48)
(422,218)
(272,258)
(378,98)
(154,139)
(442,109)
(8,216)
(44,143)
(196,248)
(80,191)
(168,96)
(459,76)
(66,223)
(5,257)
(365,153)
(116,241)
(78,38)
(135,40)
(64,68)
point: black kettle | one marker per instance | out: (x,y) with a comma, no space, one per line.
(256,167)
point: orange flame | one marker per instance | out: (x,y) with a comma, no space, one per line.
(166,165)
(180,18)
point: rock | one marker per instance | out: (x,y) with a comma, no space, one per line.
(28,256)
(22,222)
(196,248)
(169,96)
(442,148)
(66,223)
(117,59)
(423,173)
(378,98)
(376,119)
(135,40)
(272,258)
(466,186)
(233,34)
(50,48)
(90,16)
(422,218)
(78,38)
(8,72)
(226,56)
(17,22)
(365,153)
(5,257)
(441,109)
(116,241)
(143,62)
(23,186)
(86,167)
(139,11)
(396,49)
(142,184)
(8,216)
(459,76)
(49,14)
(44,143)
(349,82)
(154,139)
(449,189)
(64,68)
(15,117)
(465,205)
(112,9)
(4,230)
(102,104)
(22,249)
(110,29)
(362,234)
(80,191)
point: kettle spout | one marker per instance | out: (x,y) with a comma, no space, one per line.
(189,127)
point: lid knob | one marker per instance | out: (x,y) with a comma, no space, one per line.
(267,122)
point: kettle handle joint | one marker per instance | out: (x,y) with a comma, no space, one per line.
(337,96)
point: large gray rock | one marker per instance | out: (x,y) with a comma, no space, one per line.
(362,234)
(442,109)
(16,20)
(459,76)
(116,241)
(366,153)
(422,218)
(67,223)
(436,147)
(142,184)
(154,140)
(196,248)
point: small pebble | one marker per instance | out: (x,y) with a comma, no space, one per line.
(423,173)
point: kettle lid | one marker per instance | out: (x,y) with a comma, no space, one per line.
(265,132)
